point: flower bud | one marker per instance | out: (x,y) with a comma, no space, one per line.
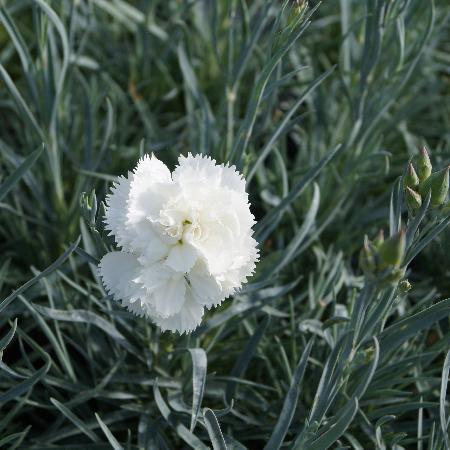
(411,179)
(392,250)
(404,287)
(379,239)
(367,257)
(413,199)
(424,166)
(88,203)
(438,183)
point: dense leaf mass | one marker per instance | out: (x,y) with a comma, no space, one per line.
(341,338)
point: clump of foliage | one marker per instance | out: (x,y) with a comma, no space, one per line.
(339,341)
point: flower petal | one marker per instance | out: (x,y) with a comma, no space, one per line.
(151,166)
(152,277)
(169,297)
(206,290)
(149,190)
(181,257)
(116,270)
(147,242)
(191,168)
(186,320)
(116,207)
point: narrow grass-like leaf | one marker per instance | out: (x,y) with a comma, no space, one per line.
(290,403)
(190,439)
(199,365)
(17,438)
(192,84)
(214,431)
(244,57)
(393,336)
(262,155)
(275,213)
(107,134)
(300,235)
(370,372)
(4,341)
(51,268)
(61,354)
(11,372)
(378,430)
(329,379)
(246,128)
(262,297)
(430,236)
(413,226)
(4,272)
(272,87)
(22,51)
(431,439)
(16,38)
(75,420)
(334,430)
(25,386)
(21,103)
(395,218)
(111,439)
(130,16)
(442,400)
(83,316)
(87,257)
(100,176)
(56,21)
(243,361)
(11,181)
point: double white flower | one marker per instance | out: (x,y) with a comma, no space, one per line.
(186,239)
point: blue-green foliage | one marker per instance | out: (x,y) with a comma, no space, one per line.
(321,106)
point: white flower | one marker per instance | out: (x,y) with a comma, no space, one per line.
(186,239)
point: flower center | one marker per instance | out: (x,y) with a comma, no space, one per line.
(179,227)
(185,226)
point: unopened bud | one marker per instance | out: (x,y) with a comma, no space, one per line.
(88,203)
(404,287)
(379,239)
(392,250)
(367,257)
(411,179)
(413,199)
(438,183)
(424,166)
